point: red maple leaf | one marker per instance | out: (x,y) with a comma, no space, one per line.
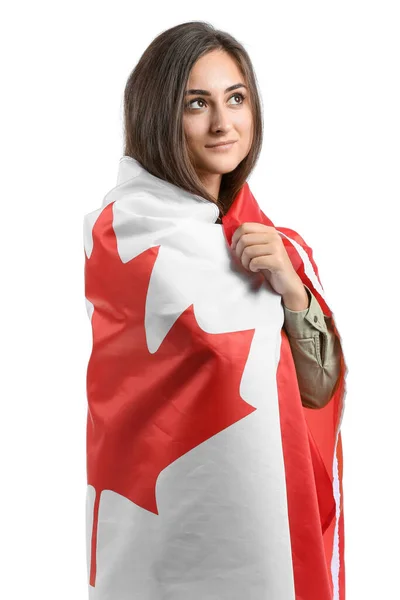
(147,410)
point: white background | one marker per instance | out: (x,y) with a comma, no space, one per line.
(329,79)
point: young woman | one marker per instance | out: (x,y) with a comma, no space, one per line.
(216,381)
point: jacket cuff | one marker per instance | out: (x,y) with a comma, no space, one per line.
(304,323)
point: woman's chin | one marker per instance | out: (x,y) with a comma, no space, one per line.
(220,164)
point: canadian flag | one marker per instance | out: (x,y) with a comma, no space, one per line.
(207,477)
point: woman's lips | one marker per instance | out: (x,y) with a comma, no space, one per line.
(221,148)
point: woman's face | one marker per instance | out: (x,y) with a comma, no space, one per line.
(216,115)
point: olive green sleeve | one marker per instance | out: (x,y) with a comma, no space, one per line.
(316,352)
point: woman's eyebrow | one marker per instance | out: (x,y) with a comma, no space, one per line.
(207,93)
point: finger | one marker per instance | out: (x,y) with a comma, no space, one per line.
(262,263)
(236,235)
(260,251)
(249,228)
(252,239)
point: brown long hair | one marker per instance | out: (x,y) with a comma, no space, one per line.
(154,99)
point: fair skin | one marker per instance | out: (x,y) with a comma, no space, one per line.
(215,114)
(220,116)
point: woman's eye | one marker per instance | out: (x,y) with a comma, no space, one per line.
(190,104)
(237,95)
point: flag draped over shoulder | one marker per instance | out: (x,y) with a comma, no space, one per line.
(207,478)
